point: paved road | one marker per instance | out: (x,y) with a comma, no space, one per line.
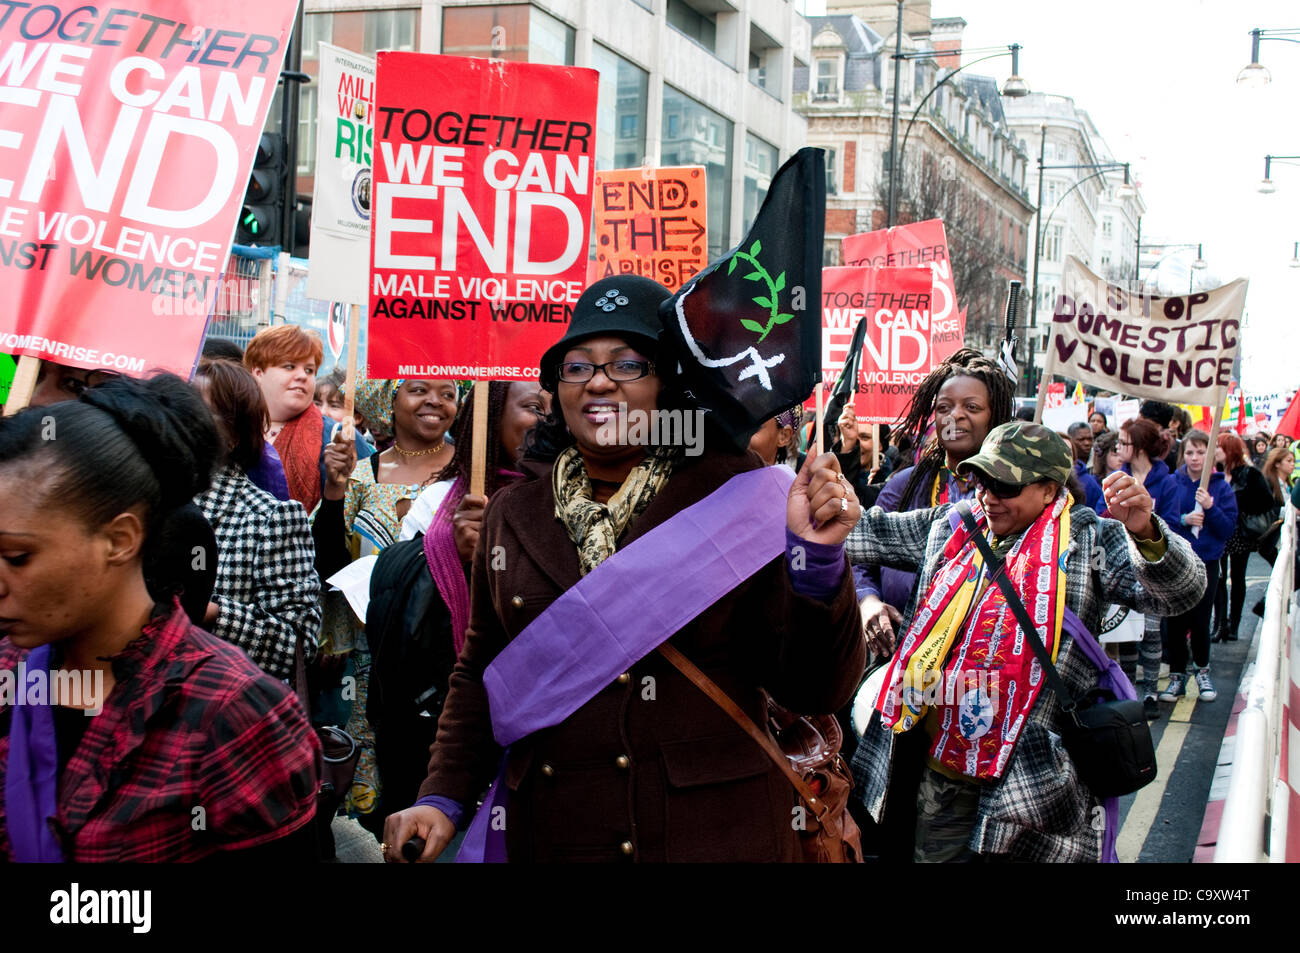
(1160,823)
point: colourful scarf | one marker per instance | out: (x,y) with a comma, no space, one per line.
(595,527)
(299,447)
(964,654)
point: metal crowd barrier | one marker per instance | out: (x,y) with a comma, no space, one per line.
(1263,788)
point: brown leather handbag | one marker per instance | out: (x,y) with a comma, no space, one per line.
(807,750)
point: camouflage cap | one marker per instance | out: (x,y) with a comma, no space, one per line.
(1021,453)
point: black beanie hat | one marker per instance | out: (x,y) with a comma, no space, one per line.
(623,305)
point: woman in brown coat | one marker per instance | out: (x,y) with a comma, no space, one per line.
(648,768)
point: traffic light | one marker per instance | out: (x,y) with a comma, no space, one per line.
(262,212)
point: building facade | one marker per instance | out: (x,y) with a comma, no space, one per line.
(1086,215)
(959,160)
(682,82)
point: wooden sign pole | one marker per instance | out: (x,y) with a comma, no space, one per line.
(23,385)
(479,439)
(350,385)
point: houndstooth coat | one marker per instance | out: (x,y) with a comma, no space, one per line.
(267,589)
(1040,810)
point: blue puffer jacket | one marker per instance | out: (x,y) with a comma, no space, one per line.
(1220,519)
(1164,492)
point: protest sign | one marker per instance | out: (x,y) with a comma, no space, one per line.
(129,134)
(651,222)
(1176,349)
(482,212)
(896,350)
(340,209)
(921,243)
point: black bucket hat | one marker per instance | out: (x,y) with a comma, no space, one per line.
(622,305)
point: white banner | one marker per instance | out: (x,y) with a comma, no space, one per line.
(340,211)
(1176,349)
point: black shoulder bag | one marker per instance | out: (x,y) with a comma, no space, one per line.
(1108,739)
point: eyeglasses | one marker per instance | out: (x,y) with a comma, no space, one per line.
(76,386)
(1123,443)
(579,372)
(1003,491)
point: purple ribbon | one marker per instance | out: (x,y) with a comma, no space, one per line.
(617,614)
(32,769)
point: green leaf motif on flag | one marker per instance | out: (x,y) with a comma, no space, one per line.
(771,300)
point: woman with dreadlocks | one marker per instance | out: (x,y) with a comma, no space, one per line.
(961,400)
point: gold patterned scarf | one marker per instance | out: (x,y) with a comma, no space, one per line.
(595,527)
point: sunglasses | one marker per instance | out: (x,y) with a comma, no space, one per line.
(1003,491)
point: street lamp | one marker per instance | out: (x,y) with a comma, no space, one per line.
(1254,75)
(1014,87)
(1198,264)
(1040,227)
(1266,184)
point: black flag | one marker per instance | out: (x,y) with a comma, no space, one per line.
(748,328)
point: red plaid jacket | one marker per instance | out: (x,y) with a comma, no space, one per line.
(191,724)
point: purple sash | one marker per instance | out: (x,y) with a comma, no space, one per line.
(1113,679)
(32,771)
(621,612)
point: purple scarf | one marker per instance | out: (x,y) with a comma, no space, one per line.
(32,771)
(617,614)
(443,557)
(444,563)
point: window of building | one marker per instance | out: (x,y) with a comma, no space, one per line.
(828,78)
(760,165)
(1105,260)
(700,27)
(832,175)
(764,61)
(699,136)
(307,130)
(388,30)
(1107,227)
(1052,243)
(621,110)
(316,28)
(550,41)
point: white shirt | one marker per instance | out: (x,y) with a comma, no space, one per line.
(420,515)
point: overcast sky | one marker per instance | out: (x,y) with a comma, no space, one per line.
(1158,78)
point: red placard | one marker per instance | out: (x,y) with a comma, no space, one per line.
(921,243)
(896,350)
(482,211)
(127,139)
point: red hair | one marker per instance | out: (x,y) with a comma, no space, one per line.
(1234,451)
(280,344)
(1147,437)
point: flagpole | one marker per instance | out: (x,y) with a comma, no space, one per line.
(817,432)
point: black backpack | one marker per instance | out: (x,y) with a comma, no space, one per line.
(408,628)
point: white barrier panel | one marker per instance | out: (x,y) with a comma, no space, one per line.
(1259,761)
